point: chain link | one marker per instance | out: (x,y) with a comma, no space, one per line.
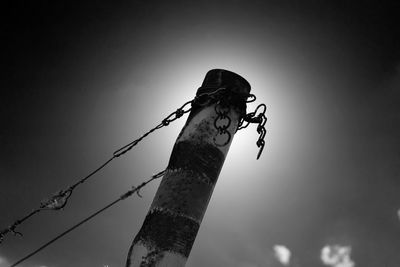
(222,122)
(256,117)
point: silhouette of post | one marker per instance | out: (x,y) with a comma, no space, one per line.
(171,225)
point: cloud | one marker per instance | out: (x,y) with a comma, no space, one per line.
(4,262)
(398,213)
(282,254)
(337,256)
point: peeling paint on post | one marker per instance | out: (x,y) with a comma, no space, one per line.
(170,227)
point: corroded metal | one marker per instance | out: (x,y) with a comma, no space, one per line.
(175,215)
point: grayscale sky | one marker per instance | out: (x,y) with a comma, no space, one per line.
(82,80)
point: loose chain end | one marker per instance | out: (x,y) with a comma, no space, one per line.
(261,146)
(259,119)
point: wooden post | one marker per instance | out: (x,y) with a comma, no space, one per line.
(171,225)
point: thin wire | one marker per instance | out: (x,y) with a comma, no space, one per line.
(122,197)
(63,195)
(60,199)
(91,174)
(127,147)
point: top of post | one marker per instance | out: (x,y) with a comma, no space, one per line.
(219,78)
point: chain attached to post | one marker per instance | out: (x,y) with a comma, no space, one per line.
(223,98)
(222,122)
(260,119)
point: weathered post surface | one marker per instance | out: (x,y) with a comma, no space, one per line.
(171,225)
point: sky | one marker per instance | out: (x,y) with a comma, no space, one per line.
(81,80)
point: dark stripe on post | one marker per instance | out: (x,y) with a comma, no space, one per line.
(163,231)
(202,159)
(183,192)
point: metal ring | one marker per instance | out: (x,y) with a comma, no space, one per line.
(226,142)
(252,98)
(259,106)
(219,118)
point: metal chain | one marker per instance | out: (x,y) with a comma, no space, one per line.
(222,122)
(260,119)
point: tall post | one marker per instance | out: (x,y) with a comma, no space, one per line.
(171,225)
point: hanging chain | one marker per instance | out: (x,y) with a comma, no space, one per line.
(256,117)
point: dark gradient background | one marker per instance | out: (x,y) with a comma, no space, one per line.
(81,80)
